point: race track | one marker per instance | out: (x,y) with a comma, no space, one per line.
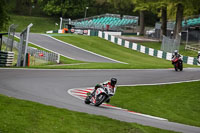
(50,87)
(66,49)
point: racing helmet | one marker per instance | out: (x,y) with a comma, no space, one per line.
(175,52)
(113,81)
(198,52)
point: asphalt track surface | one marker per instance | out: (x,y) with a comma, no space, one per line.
(50,87)
(66,49)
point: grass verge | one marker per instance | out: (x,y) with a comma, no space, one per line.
(175,102)
(40,24)
(135,60)
(20,116)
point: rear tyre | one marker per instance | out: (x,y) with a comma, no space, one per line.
(181,67)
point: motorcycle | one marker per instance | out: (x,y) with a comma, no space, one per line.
(198,60)
(178,63)
(101,95)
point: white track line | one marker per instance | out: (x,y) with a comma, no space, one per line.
(186,81)
(84,49)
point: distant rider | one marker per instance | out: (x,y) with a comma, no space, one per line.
(111,85)
(175,55)
(198,57)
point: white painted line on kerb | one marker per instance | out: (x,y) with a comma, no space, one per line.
(84,49)
(76,94)
(186,81)
(48,49)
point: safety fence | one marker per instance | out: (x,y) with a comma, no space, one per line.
(145,50)
(169,45)
(39,54)
(43,55)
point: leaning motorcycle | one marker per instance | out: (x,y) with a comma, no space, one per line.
(101,95)
(198,60)
(178,63)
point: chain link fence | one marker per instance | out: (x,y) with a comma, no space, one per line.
(169,45)
(43,55)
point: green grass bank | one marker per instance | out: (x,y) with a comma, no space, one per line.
(20,116)
(40,24)
(175,102)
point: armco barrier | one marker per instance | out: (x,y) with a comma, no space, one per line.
(145,50)
(6,58)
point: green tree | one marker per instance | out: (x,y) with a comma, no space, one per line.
(159,7)
(176,11)
(142,6)
(65,8)
(122,7)
(179,18)
(188,7)
(4,18)
(101,7)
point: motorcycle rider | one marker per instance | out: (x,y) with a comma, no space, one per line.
(198,57)
(175,55)
(111,85)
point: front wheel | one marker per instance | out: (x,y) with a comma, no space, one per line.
(175,67)
(100,99)
(87,100)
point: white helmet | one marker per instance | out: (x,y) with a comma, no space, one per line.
(175,52)
(198,52)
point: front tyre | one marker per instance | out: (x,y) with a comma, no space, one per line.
(100,99)
(175,67)
(87,100)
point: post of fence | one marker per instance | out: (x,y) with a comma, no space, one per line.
(58,58)
(10,39)
(23,45)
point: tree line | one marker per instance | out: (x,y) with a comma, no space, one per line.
(149,11)
(167,9)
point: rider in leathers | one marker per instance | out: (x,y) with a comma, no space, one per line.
(198,57)
(111,85)
(175,54)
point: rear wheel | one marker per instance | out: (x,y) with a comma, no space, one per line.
(100,99)
(181,67)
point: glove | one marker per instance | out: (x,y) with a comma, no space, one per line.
(97,86)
